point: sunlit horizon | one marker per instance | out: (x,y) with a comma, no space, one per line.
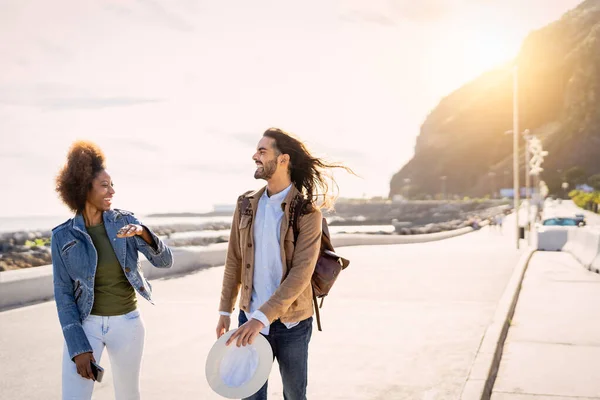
(178,93)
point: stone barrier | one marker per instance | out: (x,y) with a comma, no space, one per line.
(552,238)
(584,244)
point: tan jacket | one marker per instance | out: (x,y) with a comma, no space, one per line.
(292,301)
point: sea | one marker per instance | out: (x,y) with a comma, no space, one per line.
(45,223)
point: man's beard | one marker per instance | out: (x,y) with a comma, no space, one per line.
(267,170)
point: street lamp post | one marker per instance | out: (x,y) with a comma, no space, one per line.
(516,152)
(527,138)
(515,133)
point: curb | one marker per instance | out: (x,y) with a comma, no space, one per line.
(484,369)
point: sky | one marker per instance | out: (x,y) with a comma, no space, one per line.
(178,92)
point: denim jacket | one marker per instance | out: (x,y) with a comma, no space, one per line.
(74,262)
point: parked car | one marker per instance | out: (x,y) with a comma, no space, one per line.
(563,221)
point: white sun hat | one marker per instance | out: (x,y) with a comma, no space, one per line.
(237,372)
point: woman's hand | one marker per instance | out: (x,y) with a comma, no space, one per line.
(137,230)
(130,230)
(82,361)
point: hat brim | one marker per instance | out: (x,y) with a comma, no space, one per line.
(253,385)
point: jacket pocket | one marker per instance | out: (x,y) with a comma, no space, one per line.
(68,246)
(303,302)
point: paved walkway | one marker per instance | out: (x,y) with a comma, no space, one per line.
(404,322)
(553,346)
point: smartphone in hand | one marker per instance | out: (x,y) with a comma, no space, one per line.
(98,371)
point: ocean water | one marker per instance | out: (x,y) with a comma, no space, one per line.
(14,224)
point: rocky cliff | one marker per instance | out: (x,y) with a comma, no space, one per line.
(463,138)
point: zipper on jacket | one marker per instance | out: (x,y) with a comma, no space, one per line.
(77,287)
(68,245)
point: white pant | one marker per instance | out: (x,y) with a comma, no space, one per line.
(123,337)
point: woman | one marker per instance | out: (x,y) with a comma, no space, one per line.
(96,274)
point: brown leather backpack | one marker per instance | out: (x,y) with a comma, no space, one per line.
(329,264)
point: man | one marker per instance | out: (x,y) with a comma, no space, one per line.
(272,270)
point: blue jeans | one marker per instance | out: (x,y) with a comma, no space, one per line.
(290,348)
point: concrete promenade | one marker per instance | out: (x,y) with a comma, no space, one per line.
(553,346)
(404,322)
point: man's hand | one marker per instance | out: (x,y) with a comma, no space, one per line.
(246,333)
(82,361)
(223,325)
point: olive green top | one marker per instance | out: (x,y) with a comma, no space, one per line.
(113,294)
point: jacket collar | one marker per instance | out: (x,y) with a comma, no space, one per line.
(107,217)
(79,222)
(110,216)
(285,204)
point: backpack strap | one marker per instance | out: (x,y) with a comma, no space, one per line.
(244,203)
(317,314)
(296,209)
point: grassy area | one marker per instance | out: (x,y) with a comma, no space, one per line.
(37,242)
(587,201)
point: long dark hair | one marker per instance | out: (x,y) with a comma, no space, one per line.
(309,174)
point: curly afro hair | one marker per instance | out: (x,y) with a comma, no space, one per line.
(84,161)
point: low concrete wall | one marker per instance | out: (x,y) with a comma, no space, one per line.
(595,265)
(364,239)
(584,244)
(25,286)
(553,238)
(32,285)
(188,259)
